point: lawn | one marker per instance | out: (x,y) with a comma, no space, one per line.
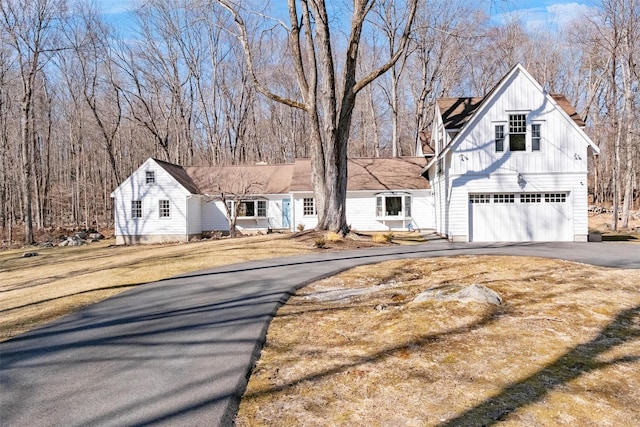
(562,349)
(39,289)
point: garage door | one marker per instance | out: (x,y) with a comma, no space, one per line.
(520,217)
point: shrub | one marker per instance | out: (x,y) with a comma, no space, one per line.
(319,242)
(300,227)
(333,236)
(382,238)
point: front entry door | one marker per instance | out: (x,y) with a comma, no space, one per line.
(286,213)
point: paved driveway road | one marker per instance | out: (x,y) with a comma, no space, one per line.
(178,351)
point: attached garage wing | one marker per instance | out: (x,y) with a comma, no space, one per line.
(520,217)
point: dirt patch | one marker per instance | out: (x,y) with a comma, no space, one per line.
(562,349)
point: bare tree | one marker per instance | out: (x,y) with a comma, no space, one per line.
(327,102)
(30,26)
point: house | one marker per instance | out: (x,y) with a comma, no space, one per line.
(162,202)
(510,166)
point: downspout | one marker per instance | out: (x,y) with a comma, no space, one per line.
(186,217)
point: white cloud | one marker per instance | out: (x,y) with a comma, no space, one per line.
(552,16)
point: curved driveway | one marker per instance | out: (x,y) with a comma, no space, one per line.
(179,351)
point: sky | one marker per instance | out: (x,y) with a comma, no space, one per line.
(536,14)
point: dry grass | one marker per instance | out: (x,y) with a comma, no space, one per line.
(563,348)
(60,280)
(602,223)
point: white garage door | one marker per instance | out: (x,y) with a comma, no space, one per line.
(520,217)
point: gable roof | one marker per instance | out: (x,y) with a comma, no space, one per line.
(257,179)
(373,174)
(179,174)
(460,114)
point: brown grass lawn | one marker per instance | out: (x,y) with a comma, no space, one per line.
(562,349)
(36,290)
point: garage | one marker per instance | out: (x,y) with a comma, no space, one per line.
(520,217)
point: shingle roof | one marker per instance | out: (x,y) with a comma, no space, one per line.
(251,179)
(456,112)
(179,174)
(374,174)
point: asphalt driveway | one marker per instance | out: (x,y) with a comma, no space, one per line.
(179,351)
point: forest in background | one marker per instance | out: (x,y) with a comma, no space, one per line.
(83,103)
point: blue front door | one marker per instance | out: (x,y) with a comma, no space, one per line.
(286,213)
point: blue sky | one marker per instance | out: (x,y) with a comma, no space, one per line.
(535,13)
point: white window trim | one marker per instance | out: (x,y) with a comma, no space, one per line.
(402,215)
(141,209)
(255,209)
(146,177)
(160,216)
(313,201)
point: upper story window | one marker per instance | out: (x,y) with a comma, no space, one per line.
(517,132)
(136,209)
(150,177)
(308,206)
(499,136)
(164,208)
(536,137)
(393,206)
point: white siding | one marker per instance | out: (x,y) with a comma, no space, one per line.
(214,216)
(297,217)
(361,211)
(194,210)
(563,148)
(574,184)
(165,188)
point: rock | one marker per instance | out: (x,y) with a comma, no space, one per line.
(47,245)
(96,236)
(595,236)
(29,254)
(64,243)
(472,293)
(72,241)
(380,307)
(81,235)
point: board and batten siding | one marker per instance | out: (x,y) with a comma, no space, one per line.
(563,149)
(150,227)
(575,184)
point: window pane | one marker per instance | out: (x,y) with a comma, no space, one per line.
(136,208)
(262,207)
(535,137)
(407,206)
(379,206)
(150,177)
(165,209)
(247,209)
(517,132)
(499,137)
(517,142)
(393,205)
(308,206)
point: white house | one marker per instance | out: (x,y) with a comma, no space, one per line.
(511,166)
(165,202)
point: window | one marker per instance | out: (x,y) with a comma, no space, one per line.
(249,208)
(150,177)
(535,137)
(504,198)
(517,132)
(479,198)
(555,197)
(530,198)
(308,206)
(165,209)
(136,209)
(261,208)
(392,205)
(499,134)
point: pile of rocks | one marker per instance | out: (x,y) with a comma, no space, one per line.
(80,238)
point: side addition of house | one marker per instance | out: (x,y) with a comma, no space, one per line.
(511,166)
